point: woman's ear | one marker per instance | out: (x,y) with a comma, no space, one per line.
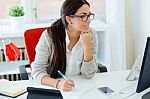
(68,19)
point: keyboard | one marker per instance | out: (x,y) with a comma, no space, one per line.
(126,92)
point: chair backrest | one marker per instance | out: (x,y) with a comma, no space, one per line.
(31,38)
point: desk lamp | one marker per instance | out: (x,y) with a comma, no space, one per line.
(10,50)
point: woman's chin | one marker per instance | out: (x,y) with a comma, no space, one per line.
(86,30)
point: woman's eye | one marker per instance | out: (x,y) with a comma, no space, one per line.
(83,16)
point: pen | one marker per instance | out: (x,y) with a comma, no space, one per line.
(62,75)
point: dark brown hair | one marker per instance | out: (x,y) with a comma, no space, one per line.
(58,35)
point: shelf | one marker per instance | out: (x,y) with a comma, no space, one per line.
(7,31)
(11,33)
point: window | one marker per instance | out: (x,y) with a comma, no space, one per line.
(50,9)
(38,11)
(98,7)
(4,8)
(47,9)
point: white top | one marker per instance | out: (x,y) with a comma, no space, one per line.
(75,62)
(74,57)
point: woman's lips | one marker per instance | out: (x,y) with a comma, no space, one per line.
(86,27)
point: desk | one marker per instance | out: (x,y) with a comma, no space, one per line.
(87,88)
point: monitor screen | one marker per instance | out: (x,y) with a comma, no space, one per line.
(144,78)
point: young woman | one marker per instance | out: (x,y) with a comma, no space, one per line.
(68,45)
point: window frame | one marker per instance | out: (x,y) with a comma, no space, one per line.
(31,14)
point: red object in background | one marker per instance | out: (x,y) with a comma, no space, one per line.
(31,38)
(11,51)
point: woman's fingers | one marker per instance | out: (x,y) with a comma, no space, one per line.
(66,85)
(86,38)
(67,88)
(70,82)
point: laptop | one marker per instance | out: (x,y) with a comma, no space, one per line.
(144,77)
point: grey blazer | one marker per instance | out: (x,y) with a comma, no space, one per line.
(44,53)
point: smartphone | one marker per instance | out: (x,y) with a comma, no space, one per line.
(106,90)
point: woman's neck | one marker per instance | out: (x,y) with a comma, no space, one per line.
(73,37)
(72,34)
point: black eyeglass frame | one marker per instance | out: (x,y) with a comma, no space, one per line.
(82,16)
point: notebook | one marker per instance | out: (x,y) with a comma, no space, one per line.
(11,89)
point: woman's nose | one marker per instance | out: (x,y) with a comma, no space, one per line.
(88,20)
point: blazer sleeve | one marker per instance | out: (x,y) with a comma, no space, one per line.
(40,64)
(88,69)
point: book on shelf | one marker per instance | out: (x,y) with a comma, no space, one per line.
(11,89)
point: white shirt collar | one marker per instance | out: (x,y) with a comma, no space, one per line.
(67,41)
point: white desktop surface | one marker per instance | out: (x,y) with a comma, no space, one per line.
(87,88)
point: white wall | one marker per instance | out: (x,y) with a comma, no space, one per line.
(129,41)
(137,27)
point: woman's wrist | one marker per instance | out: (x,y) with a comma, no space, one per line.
(88,59)
(57,83)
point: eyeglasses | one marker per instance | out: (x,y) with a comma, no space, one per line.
(84,17)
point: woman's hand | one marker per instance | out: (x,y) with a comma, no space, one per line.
(65,85)
(86,38)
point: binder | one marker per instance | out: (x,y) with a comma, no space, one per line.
(40,93)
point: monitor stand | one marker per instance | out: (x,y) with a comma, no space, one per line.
(146,95)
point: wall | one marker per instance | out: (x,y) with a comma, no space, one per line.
(137,28)
(129,32)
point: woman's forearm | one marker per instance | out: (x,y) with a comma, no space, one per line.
(47,80)
(88,53)
(64,85)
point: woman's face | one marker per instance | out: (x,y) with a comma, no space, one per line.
(80,21)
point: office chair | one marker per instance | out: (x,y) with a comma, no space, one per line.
(31,38)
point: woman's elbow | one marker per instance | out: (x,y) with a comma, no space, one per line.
(88,75)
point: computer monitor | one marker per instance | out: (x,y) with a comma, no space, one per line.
(144,78)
